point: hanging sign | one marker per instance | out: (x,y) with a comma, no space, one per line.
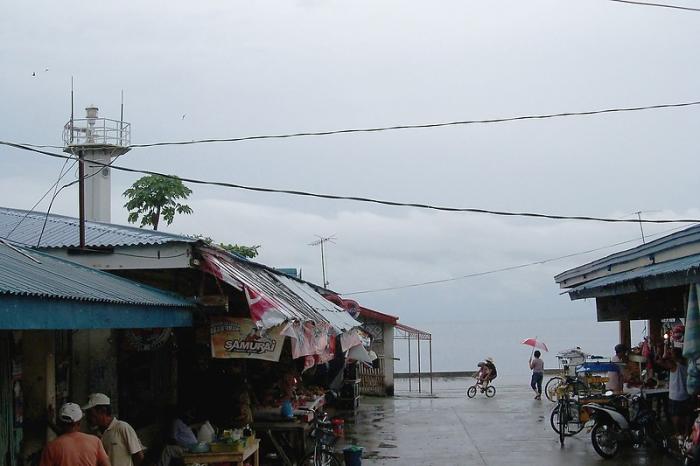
(240,338)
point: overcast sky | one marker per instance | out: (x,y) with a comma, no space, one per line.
(236,68)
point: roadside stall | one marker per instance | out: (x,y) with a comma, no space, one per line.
(264,360)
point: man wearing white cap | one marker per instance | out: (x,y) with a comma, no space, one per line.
(72,447)
(118,438)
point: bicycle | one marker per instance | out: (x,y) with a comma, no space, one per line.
(566,415)
(324,438)
(485,388)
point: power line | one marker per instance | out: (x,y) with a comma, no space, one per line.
(368,199)
(503,269)
(399,127)
(420,125)
(661,5)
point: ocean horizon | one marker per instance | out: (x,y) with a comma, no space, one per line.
(459,345)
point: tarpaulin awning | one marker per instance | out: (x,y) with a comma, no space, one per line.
(274,298)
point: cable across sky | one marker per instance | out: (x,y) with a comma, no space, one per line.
(419,125)
(363,199)
(502,269)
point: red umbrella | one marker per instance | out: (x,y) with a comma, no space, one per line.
(535,343)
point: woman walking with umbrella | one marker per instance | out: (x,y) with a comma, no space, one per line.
(537,366)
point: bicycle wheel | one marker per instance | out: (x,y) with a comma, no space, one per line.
(572,426)
(490,391)
(563,419)
(471,391)
(322,458)
(550,390)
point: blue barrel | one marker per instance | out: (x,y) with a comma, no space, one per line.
(353,455)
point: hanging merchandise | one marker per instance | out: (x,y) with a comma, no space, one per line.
(691,348)
(349,339)
(240,338)
(302,337)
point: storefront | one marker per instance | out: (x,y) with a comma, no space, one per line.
(44,301)
(650,283)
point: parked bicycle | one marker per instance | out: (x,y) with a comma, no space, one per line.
(566,418)
(484,387)
(323,438)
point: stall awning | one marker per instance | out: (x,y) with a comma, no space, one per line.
(284,298)
(39,291)
(683,271)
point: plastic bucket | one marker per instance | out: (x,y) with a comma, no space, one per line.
(353,456)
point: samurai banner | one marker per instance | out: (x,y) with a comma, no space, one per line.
(240,338)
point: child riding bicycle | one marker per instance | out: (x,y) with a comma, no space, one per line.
(487,372)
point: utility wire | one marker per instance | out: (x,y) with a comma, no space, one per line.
(400,127)
(368,199)
(421,125)
(661,5)
(503,269)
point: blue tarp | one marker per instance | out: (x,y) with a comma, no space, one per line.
(598,367)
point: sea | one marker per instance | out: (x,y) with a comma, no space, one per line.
(459,345)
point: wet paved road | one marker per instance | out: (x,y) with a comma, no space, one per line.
(450,429)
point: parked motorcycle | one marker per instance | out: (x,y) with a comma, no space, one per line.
(690,450)
(626,419)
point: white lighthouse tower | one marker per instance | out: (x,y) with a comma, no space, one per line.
(97,142)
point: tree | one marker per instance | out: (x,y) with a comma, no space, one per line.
(152,196)
(245,251)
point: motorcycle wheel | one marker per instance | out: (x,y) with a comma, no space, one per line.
(605,440)
(490,391)
(471,391)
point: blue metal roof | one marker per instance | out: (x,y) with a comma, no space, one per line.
(683,270)
(686,236)
(24,228)
(25,272)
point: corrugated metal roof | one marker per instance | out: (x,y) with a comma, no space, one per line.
(335,315)
(686,236)
(24,228)
(291,298)
(685,266)
(25,272)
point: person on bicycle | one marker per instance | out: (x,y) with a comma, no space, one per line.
(483,375)
(492,368)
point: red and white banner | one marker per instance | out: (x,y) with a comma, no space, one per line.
(262,311)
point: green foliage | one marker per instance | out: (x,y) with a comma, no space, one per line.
(152,197)
(245,251)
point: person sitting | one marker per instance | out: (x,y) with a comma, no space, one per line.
(180,438)
(493,373)
(483,375)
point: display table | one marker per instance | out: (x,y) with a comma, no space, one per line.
(287,437)
(226,457)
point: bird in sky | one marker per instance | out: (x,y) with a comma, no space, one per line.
(33,73)
(184,115)
(46,69)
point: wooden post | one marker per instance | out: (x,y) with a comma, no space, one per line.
(655,329)
(409,361)
(625,333)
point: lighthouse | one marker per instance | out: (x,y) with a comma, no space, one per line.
(96,142)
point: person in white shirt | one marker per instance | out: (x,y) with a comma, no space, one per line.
(537,366)
(118,438)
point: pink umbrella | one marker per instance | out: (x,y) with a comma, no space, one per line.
(535,343)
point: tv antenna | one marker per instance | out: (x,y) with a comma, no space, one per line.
(320,242)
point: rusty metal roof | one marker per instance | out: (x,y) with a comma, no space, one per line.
(24,228)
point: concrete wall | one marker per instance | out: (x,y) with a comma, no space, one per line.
(94,365)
